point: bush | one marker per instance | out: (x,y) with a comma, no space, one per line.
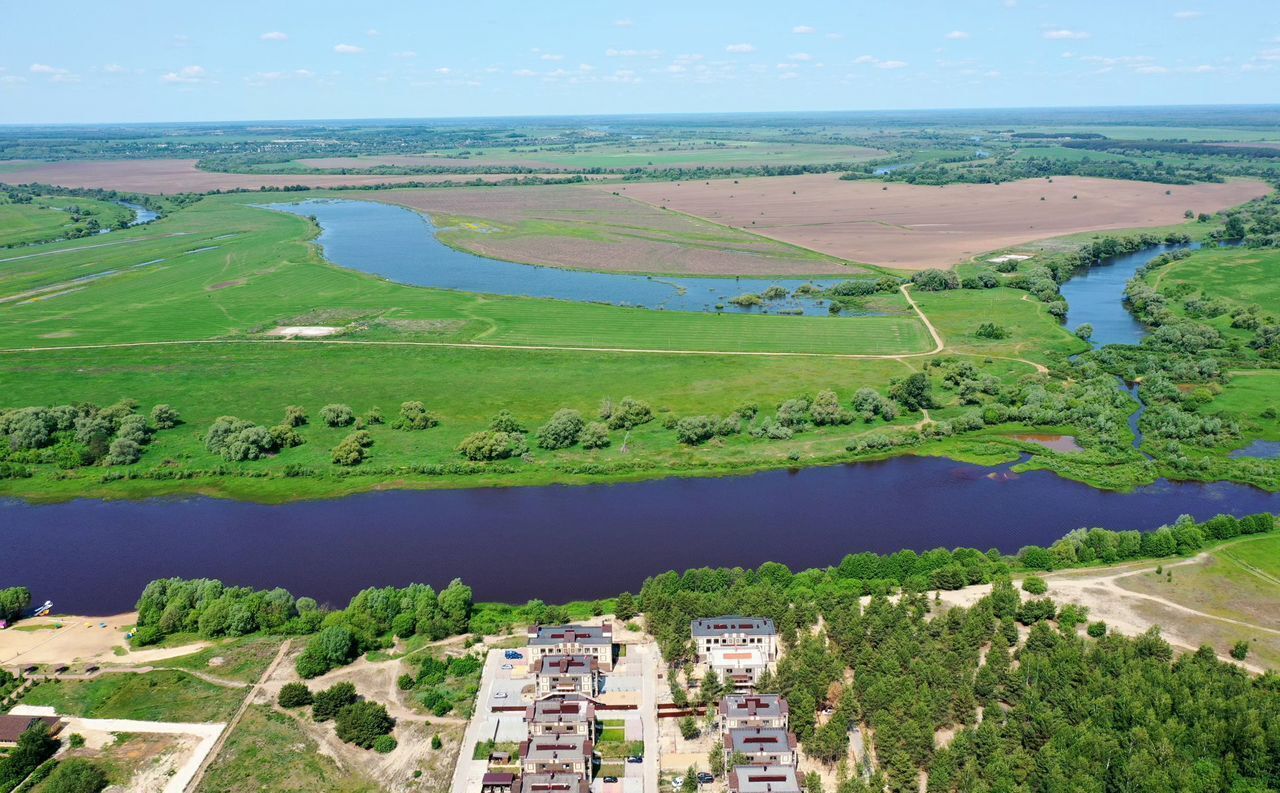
(746,300)
(1033,611)
(237,439)
(352,449)
(294,416)
(123,452)
(75,740)
(935,280)
(361,723)
(1097,629)
(492,445)
(405,682)
(414,416)
(1240,650)
(165,417)
(284,436)
(330,702)
(505,422)
(694,430)
(826,409)
(294,695)
(628,414)
(384,744)
(75,775)
(436,743)
(562,431)
(990,330)
(595,435)
(1034,585)
(336,415)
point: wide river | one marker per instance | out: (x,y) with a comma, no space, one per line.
(560,543)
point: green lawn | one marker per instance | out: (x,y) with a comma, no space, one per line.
(269,751)
(153,696)
(243,659)
(47,218)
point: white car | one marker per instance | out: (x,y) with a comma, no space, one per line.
(507,666)
(500,695)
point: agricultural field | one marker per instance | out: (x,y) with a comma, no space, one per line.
(166,177)
(584,228)
(915,227)
(674,153)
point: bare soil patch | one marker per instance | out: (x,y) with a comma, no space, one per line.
(916,227)
(179,176)
(586,227)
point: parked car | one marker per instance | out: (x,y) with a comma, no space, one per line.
(508,666)
(500,695)
(705,779)
(678,782)
(611,779)
(512,655)
(635,759)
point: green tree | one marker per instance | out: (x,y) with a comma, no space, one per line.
(625,607)
(165,417)
(361,723)
(912,392)
(690,783)
(414,416)
(337,415)
(328,703)
(562,430)
(1240,650)
(294,695)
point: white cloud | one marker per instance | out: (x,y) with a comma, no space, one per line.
(799,56)
(740,49)
(612,53)
(864,59)
(44,68)
(1064,33)
(785,66)
(347,49)
(444,70)
(1203,68)
(187,74)
(1187,14)
(404,55)
(891,65)
(181,40)
(304,73)
(623,23)
(803,30)
(956,35)
(548,56)
(372,33)
(11,79)
(871,60)
(1151,70)
(835,36)
(788,76)
(274,35)
(114,68)
(524,73)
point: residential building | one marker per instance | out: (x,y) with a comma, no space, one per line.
(562,754)
(495,782)
(569,714)
(595,641)
(567,674)
(738,711)
(551,783)
(756,632)
(764,779)
(762,746)
(12,727)
(739,667)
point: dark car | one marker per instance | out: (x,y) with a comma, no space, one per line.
(635,759)
(512,655)
(705,779)
(611,779)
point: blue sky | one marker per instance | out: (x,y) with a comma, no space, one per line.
(229,60)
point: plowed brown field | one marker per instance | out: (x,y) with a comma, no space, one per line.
(915,227)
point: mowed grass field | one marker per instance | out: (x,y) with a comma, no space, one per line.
(151,696)
(226,270)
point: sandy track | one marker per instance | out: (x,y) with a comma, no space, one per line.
(915,227)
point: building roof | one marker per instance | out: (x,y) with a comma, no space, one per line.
(562,748)
(753,706)
(566,709)
(545,635)
(764,779)
(565,665)
(757,740)
(737,657)
(551,783)
(12,727)
(495,778)
(719,626)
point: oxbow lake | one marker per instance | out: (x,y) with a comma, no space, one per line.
(560,543)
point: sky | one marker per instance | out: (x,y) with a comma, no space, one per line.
(283,59)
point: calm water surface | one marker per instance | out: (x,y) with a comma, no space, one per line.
(560,543)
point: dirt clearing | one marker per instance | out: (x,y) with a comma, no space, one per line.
(180,176)
(916,227)
(589,227)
